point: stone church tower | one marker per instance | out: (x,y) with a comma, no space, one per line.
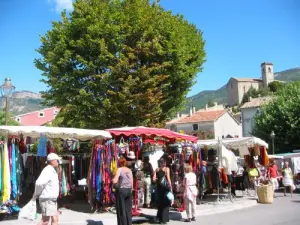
(267,73)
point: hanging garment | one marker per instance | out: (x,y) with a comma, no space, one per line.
(20,171)
(13,176)
(296,163)
(1,166)
(98,176)
(42,146)
(6,187)
(22,145)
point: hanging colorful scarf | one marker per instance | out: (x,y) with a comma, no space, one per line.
(13,172)
(98,175)
(42,146)
(20,169)
(6,187)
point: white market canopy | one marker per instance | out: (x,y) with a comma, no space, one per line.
(234,142)
(55,132)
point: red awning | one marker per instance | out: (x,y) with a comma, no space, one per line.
(147,131)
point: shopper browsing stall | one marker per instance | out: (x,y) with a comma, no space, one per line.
(287,178)
(163,181)
(273,175)
(147,180)
(190,193)
(123,182)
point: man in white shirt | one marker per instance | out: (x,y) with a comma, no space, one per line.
(47,190)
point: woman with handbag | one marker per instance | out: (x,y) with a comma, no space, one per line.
(163,182)
(190,193)
(288,178)
(123,184)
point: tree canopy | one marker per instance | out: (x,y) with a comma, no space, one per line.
(275,86)
(116,63)
(10,122)
(210,103)
(254,93)
(282,117)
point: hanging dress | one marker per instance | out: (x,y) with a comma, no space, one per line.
(13,172)
(6,187)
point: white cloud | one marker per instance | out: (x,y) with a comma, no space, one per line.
(61,5)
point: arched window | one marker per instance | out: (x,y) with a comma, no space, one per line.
(269,69)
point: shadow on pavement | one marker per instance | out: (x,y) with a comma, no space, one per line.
(93,222)
(174,216)
(295,201)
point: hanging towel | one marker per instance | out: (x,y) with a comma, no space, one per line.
(5,175)
(13,176)
(42,147)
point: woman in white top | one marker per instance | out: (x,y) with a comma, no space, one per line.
(190,193)
(287,178)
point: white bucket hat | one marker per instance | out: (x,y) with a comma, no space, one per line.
(131,155)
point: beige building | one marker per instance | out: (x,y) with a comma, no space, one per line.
(219,122)
(237,87)
(249,110)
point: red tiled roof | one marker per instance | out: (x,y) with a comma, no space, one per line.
(205,116)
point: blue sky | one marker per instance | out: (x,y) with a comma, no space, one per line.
(239,36)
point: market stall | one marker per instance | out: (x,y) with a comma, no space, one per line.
(221,156)
(156,143)
(21,167)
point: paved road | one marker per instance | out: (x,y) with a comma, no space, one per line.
(284,210)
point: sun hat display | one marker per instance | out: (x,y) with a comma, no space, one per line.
(131,155)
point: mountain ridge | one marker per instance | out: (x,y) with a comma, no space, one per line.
(24,101)
(220,95)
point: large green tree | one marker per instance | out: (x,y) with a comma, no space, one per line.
(119,62)
(255,93)
(282,116)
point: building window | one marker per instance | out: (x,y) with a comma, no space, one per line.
(270,70)
(231,85)
(41,114)
(18,119)
(55,112)
(195,127)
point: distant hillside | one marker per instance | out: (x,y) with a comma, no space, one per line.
(202,98)
(23,102)
(288,75)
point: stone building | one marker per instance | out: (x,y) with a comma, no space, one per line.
(237,87)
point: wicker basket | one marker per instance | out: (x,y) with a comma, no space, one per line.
(265,194)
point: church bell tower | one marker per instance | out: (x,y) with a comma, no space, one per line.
(267,73)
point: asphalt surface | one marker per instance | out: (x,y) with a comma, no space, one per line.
(284,210)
